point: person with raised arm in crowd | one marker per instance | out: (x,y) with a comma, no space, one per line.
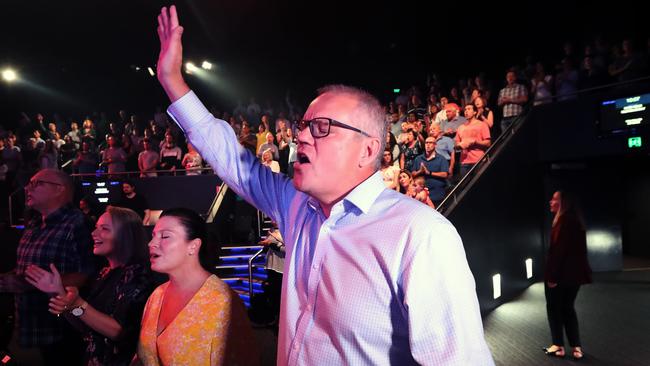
(365,283)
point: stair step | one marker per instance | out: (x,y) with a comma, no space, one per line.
(238,256)
(243,279)
(243,247)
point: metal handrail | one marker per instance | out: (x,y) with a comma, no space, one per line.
(595,88)
(495,148)
(65,165)
(129,173)
(250,271)
(216,203)
(492,151)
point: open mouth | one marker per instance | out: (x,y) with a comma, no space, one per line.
(303,159)
(98,243)
(153,256)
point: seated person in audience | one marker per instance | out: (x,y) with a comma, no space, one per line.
(134,201)
(192,161)
(473,137)
(419,191)
(434,169)
(194,318)
(389,171)
(267,160)
(170,154)
(109,316)
(148,160)
(404,179)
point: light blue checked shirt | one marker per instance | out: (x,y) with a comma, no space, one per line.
(382,281)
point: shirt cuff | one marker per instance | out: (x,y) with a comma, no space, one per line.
(186,110)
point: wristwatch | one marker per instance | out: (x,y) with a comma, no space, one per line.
(79,310)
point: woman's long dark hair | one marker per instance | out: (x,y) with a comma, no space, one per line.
(129,236)
(195,228)
(569,205)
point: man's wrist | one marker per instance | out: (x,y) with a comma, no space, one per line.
(175,87)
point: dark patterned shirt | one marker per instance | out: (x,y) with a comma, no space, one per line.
(120,293)
(64,240)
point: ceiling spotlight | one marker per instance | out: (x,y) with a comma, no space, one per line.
(151,71)
(190,67)
(9,75)
(206,65)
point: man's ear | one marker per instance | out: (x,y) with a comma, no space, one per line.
(370,151)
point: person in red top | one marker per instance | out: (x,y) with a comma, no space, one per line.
(567,268)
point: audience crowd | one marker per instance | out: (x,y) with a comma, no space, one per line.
(435,135)
(462,119)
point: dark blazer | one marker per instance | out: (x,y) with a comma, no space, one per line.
(566,260)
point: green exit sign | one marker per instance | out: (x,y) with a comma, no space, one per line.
(396,90)
(633,142)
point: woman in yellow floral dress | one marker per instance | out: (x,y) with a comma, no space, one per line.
(194,318)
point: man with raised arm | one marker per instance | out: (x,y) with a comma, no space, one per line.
(371,277)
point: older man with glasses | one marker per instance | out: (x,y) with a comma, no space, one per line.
(371,277)
(58,236)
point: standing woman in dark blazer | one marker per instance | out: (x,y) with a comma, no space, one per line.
(566,269)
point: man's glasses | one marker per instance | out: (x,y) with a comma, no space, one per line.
(37,183)
(320,126)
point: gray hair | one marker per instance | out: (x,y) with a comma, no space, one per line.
(370,113)
(63,179)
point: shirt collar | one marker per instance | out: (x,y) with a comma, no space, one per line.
(362,196)
(365,194)
(55,216)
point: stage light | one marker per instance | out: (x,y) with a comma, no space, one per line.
(529,268)
(151,71)
(9,75)
(206,65)
(190,67)
(496,286)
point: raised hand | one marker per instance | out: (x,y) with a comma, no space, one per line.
(170,59)
(48,282)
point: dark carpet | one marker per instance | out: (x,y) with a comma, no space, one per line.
(614,318)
